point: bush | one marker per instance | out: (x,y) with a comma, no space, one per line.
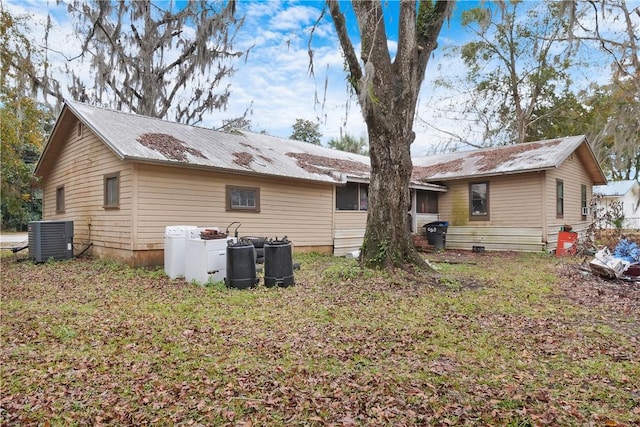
(611,237)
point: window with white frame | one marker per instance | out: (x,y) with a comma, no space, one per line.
(352,196)
(426,202)
(245,199)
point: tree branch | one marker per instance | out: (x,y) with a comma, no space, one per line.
(355,71)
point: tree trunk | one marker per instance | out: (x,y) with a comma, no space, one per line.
(387,93)
(387,240)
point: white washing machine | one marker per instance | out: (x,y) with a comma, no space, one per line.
(205,260)
(174,239)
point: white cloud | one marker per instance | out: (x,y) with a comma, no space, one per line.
(293,18)
(274,79)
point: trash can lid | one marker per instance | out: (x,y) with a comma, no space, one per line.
(437,224)
(239,243)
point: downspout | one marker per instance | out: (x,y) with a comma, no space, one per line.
(333,216)
(544,209)
(134,207)
(413,211)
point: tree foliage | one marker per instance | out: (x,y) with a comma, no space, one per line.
(23,123)
(517,65)
(615,133)
(615,129)
(350,144)
(607,114)
(23,66)
(560,115)
(156,58)
(387,89)
(307,131)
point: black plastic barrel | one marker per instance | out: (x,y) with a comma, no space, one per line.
(437,233)
(278,263)
(241,267)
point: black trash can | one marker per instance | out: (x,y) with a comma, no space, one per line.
(278,263)
(258,243)
(241,267)
(437,233)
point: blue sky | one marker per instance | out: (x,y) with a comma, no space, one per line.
(275,81)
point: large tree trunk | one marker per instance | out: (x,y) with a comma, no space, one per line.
(387,238)
(387,93)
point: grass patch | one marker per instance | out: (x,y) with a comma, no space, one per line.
(496,342)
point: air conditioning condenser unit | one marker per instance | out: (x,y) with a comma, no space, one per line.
(50,240)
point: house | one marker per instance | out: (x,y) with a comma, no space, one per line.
(513,197)
(123,178)
(626,192)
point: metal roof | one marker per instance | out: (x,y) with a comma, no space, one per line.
(616,188)
(140,138)
(518,158)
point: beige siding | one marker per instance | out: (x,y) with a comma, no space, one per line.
(515,210)
(173,196)
(348,231)
(80,166)
(514,201)
(350,220)
(573,174)
(526,239)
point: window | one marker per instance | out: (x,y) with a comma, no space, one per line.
(243,199)
(479,201)
(583,201)
(559,198)
(60,199)
(364,197)
(426,202)
(352,197)
(112,191)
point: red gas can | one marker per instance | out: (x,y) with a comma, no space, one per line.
(566,243)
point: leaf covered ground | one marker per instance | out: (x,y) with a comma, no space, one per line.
(495,339)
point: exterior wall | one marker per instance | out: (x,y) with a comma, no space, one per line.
(515,212)
(180,196)
(153,197)
(521,206)
(629,202)
(349,228)
(80,165)
(631,208)
(573,175)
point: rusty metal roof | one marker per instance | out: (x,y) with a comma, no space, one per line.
(518,158)
(141,138)
(145,139)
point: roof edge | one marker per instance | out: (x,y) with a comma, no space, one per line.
(47,145)
(169,163)
(87,123)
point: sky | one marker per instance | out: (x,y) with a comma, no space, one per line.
(274,80)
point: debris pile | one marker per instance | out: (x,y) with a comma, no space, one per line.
(623,263)
(212,234)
